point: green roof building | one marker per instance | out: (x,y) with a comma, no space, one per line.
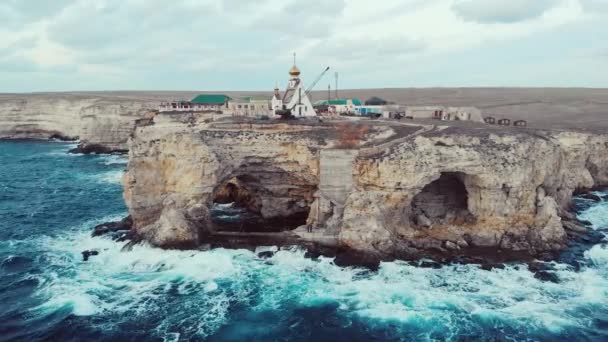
(211,99)
(338,102)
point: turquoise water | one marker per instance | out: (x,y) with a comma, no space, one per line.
(49,201)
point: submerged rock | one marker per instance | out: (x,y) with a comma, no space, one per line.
(547,276)
(265,254)
(113,227)
(573,227)
(129,246)
(591,196)
(61,137)
(96,149)
(87,254)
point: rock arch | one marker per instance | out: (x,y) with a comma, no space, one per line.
(444,201)
(261,199)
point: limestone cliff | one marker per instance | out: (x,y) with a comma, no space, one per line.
(103,123)
(398,190)
(175,170)
(459,188)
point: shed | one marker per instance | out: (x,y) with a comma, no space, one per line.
(520,123)
(375,101)
(211,99)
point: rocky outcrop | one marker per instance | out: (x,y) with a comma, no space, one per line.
(176,172)
(456,188)
(401,190)
(102,123)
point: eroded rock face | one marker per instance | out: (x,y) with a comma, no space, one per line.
(443,201)
(516,184)
(102,123)
(184,170)
(439,189)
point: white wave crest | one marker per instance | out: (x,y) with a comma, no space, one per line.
(192,292)
(598,255)
(114,159)
(110,177)
(596,214)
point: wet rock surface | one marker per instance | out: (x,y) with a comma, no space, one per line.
(61,137)
(116,230)
(87,254)
(96,149)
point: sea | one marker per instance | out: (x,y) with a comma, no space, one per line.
(50,200)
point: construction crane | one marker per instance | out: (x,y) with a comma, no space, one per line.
(286,113)
(316,81)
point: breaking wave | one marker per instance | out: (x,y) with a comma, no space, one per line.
(194,294)
(48,292)
(110,177)
(115,159)
(597,213)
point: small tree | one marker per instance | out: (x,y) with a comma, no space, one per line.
(375,101)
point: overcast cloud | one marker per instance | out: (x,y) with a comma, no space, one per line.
(247,45)
(502,11)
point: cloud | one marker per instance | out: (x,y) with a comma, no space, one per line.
(353,51)
(18,65)
(502,11)
(310,19)
(19,13)
(118,22)
(244,44)
(594,5)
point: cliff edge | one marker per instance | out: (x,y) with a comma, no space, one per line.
(101,123)
(382,188)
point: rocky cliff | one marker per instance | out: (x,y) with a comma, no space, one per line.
(102,123)
(387,189)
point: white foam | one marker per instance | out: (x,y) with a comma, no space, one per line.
(224,205)
(598,255)
(114,159)
(140,281)
(110,177)
(63,151)
(596,214)
(79,304)
(261,249)
(195,290)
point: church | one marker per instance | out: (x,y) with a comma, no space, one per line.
(295,99)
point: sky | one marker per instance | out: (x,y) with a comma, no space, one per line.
(66,45)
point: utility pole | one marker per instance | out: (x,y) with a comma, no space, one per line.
(328,93)
(336,85)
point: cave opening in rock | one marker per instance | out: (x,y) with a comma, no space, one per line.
(442,202)
(264,204)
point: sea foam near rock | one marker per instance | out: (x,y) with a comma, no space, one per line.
(597,214)
(196,291)
(149,293)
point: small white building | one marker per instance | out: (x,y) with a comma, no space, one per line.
(294,99)
(465,114)
(424,112)
(276,103)
(201,103)
(444,113)
(250,106)
(340,106)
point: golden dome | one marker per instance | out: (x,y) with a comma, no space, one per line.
(294,71)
